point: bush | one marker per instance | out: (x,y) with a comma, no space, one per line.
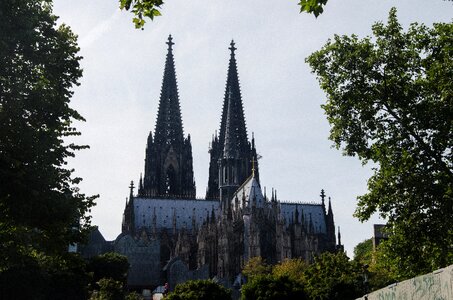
(109,289)
(109,265)
(270,287)
(199,290)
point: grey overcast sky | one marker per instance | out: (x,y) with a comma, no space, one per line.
(123,70)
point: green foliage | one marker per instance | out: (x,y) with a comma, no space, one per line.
(312,6)
(271,287)
(141,9)
(292,268)
(331,276)
(109,290)
(256,266)
(363,252)
(390,102)
(381,270)
(374,264)
(109,265)
(133,296)
(42,211)
(334,276)
(69,279)
(40,204)
(45,277)
(199,290)
(151,8)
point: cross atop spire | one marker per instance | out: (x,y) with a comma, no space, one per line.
(232,47)
(323,196)
(131,187)
(170,43)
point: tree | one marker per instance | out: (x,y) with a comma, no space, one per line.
(256,266)
(292,268)
(151,8)
(110,289)
(41,208)
(363,252)
(333,276)
(46,277)
(271,287)
(374,264)
(390,101)
(199,290)
(109,265)
(133,296)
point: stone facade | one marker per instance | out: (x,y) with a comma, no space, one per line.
(169,236)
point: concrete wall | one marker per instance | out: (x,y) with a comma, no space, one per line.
(437,285)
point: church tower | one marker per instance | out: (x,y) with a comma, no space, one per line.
(231,153)
(168,161)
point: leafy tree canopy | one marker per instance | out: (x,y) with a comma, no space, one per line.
(41,208)
(142,9)
(109,265)
(39,201)
(292,268)
(151,9)
(390,101)
(363,252)
(256,266)
(374,263)
(46,277)
(333,276)
(109,289)
(271,287)
(199,290)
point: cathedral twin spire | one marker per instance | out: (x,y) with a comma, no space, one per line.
(168,162)
(233,120)
(169,127)
(232,142)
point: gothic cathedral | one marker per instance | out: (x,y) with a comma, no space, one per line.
(170,236)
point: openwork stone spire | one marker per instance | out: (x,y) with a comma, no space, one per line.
(169,127)
(233,98)
(232,142)
(230,147)
(168,162)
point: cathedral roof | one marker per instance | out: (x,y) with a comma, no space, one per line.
(250,192)
(167,211)
(307,212)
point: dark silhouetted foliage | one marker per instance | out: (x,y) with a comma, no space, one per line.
(199,290)
(270,287)
(389,101)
